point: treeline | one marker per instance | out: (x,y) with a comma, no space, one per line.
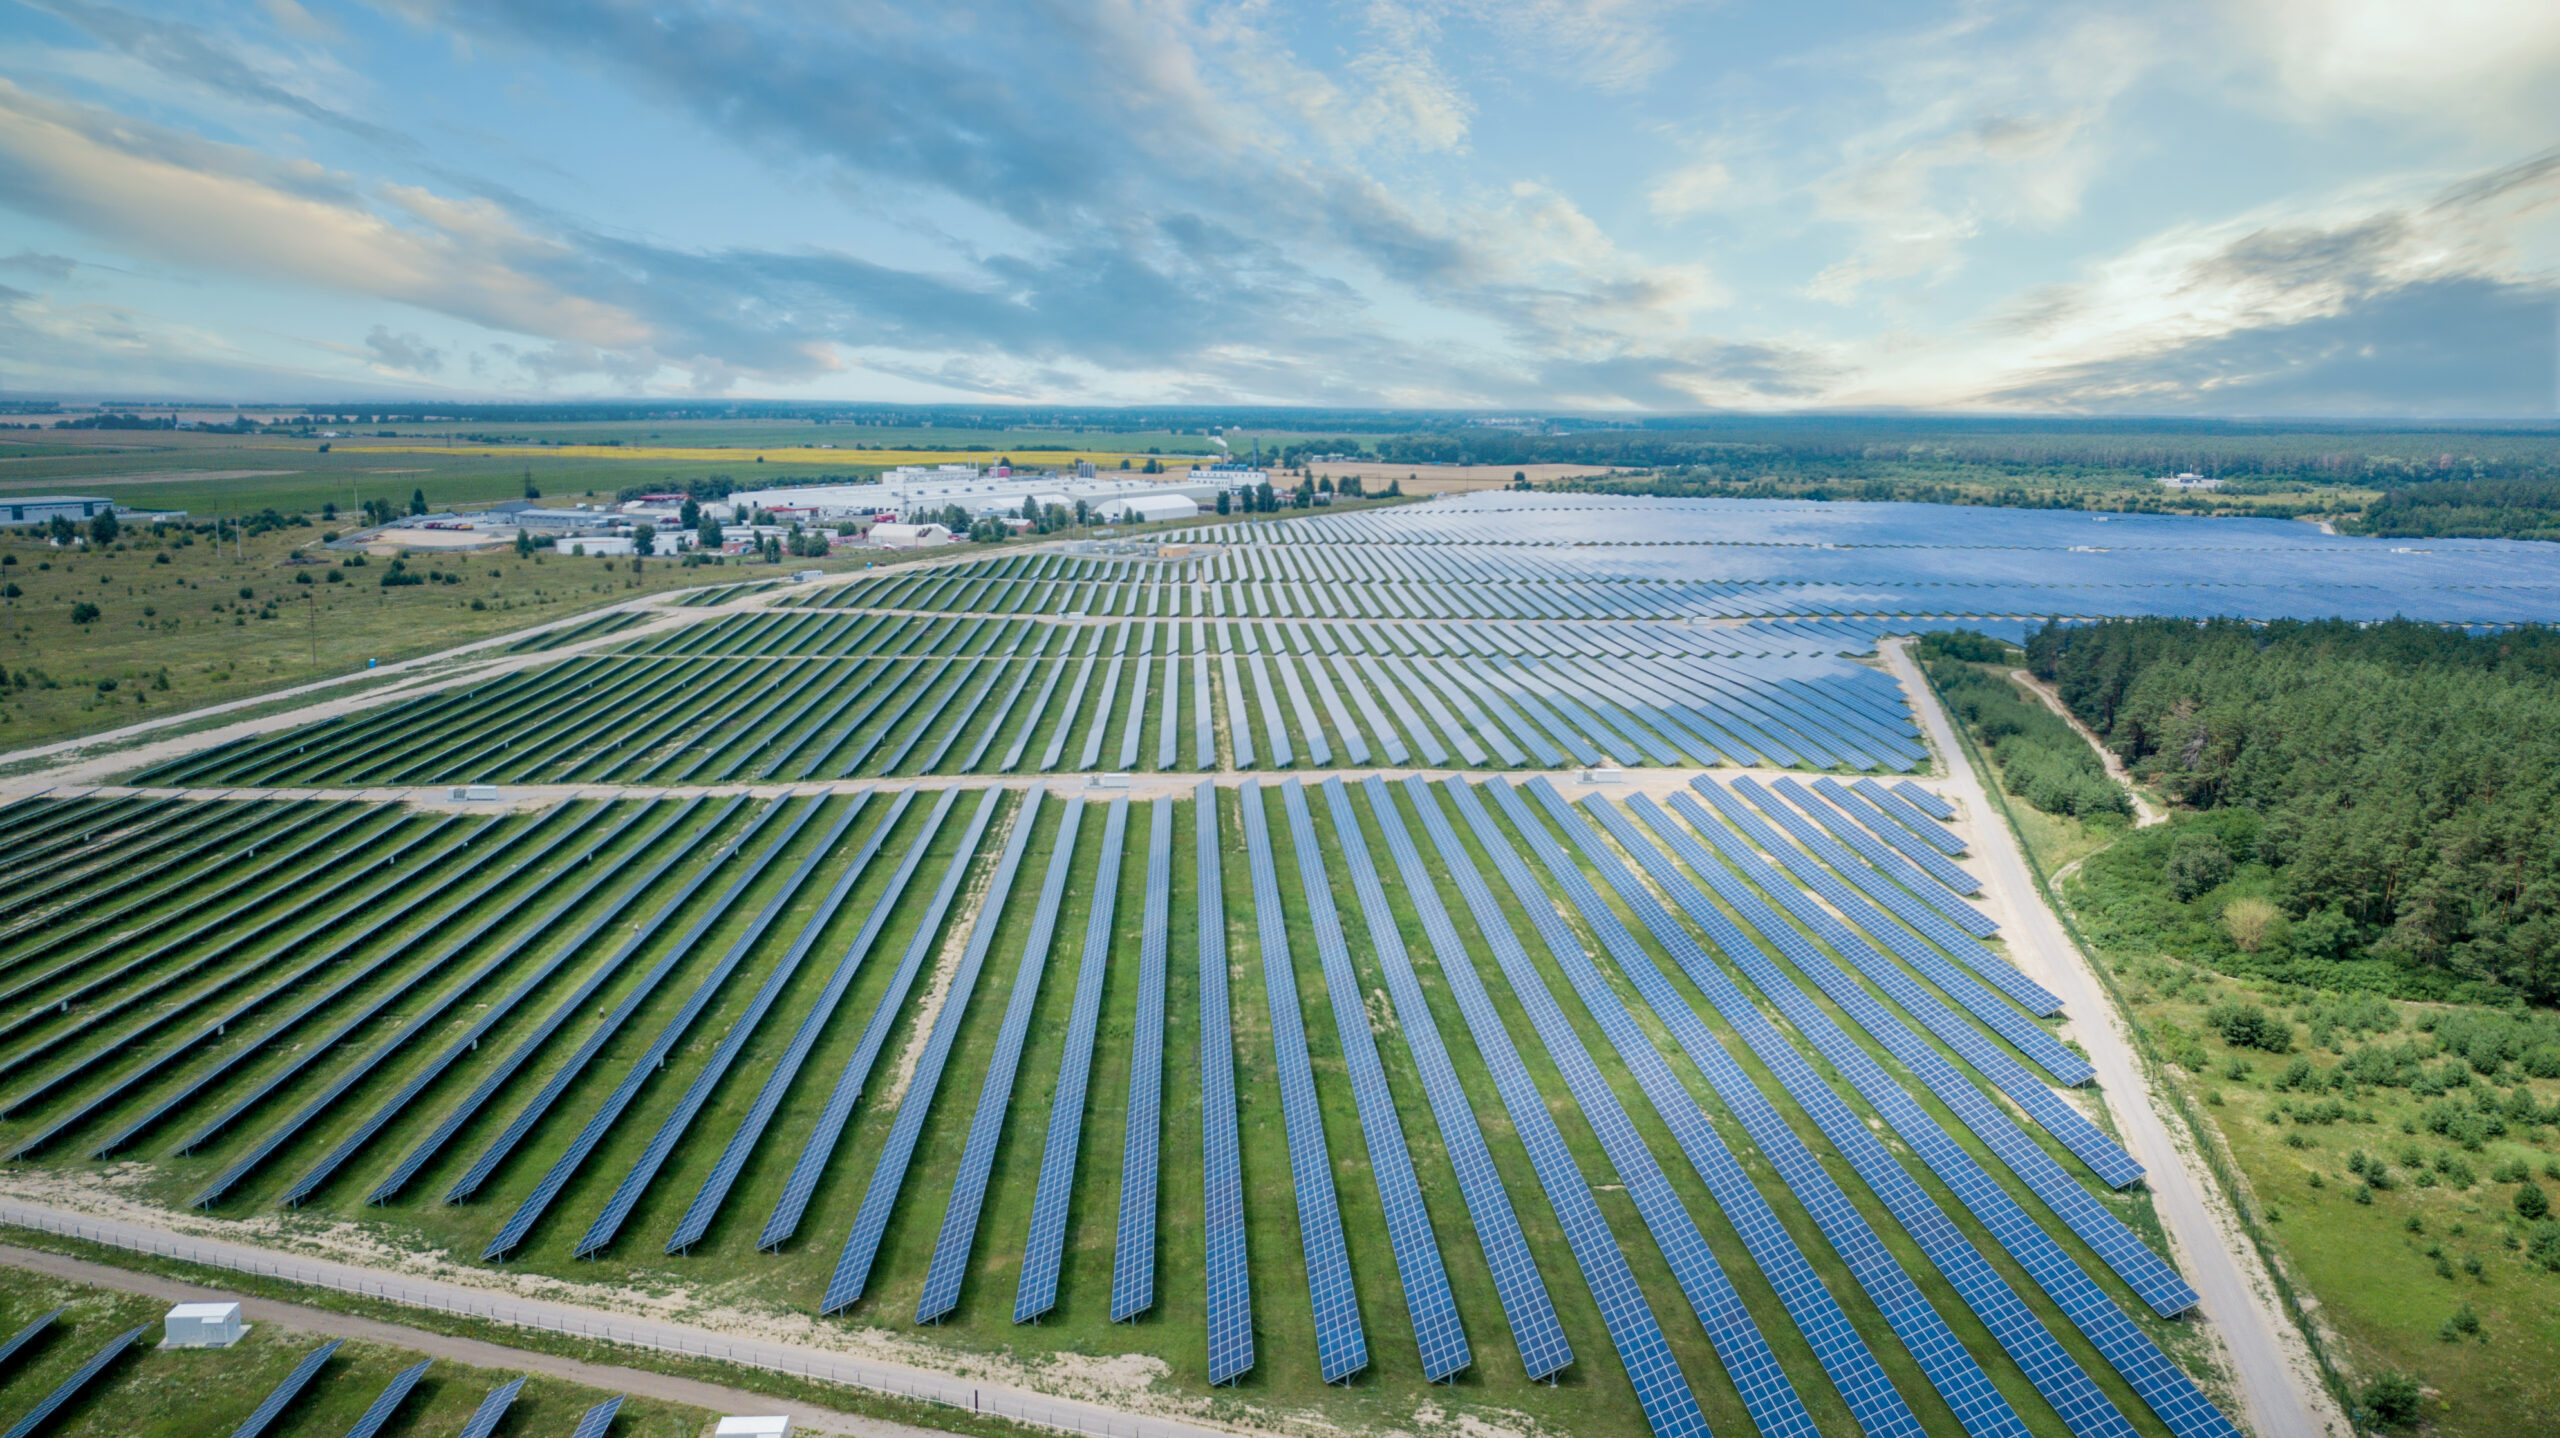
(2386,794)
(2466,509)
(2042,759)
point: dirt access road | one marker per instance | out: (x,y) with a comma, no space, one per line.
(2281,1394)
(446,1348)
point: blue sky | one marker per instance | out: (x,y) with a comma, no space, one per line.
(2295,207)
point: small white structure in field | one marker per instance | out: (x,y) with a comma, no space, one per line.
(202,1325)
(805,575)
(1602,776)
(475,793)
(775,1426)
(909,536)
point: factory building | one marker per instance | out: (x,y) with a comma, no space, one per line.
(907,494)
(42,508)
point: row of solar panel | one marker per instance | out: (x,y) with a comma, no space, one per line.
(1439,1330)
(693,720)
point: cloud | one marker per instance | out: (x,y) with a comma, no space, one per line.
(2461,66)
(52,267)
(2419,302)
(407,353)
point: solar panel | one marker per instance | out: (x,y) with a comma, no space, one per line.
(485,1418)
(1437,1330)
(24,1336)
(778,1078)
(1133,1265)
(1844,1356)
(532,1112)
(597,1420)
(1761,1380)
(1037,1291)
(671,1130)
(819,1149)
(2158,1284)
(951,1247)
(520,1223)
(1229,1280)
(393,1395)
(1929,803)
(1909,815)
(1342,1349)
(72,1386)
(1525,1304)
(280,1397)
(853,1266)
(2171,1396)
(1959,1380)
(1670,1407)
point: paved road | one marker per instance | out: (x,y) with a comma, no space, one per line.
(322,1322)
(818,1364)
(2272,1370)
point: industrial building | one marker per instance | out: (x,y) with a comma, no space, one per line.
(42,508)
(907,494)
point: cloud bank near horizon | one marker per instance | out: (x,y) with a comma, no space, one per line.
(2305,207)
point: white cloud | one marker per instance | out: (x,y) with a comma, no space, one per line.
(2454,64)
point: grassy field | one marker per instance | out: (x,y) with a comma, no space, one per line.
(180,622)
(186,1393)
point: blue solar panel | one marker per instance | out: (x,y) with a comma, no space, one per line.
(492,1410)
(71,1387)
(2172,1397)
(1926,802)
(950,1262)
(1342,1349)
(820,1147)
(1045,1243)
(24,1336)
(1908,815)
(280,1397)
(1133,1264)
(1756,1372)
(1230,1282)
(1670,1408)
(596,1421)
(1929,855)
(2159,1284)
(1437,1330)
(393,1395)
(651,1061)
(1541,1340)
(768,1101)
(1853,1368)
(853,1266)
(1968,1391)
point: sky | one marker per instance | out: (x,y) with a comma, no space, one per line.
(2332,208)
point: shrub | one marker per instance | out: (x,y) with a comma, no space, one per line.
(84,613)
(2247,1026)
(2392,1399)
(2532,1203)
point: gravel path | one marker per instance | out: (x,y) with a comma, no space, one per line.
(825,1365)
(321,1322)
(2279,1385)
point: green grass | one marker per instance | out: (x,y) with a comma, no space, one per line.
(152,1393)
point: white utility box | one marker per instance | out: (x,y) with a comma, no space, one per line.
(776,1426)
(202,1325)
(476,793)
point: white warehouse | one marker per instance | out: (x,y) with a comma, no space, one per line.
(926,493)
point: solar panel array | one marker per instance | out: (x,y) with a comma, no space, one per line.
(1133,1267)
(288,1388)
(1824,967)
(1342,1345)
(1224,1260)
(1044,1247)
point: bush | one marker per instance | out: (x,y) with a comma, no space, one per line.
(2247,1026)
(84,613)
(2252,923)
(2393,1399)
(2531,1203)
